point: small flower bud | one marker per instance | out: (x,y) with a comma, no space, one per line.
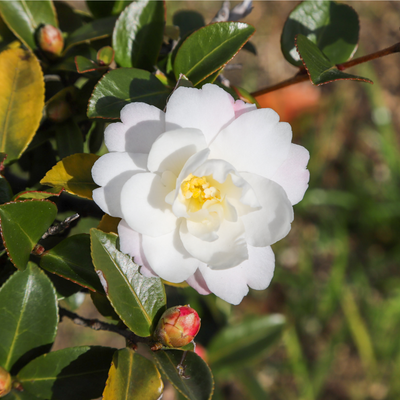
(50,40)
(177,326)
(5,382)
(58,110)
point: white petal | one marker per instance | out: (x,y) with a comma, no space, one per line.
(172,149)
(227,251)
(240,107)
(168,258)
(141,125)
(272,223)
(292,175)
(130,243)
(255,142)
(143,205)
(112,165)
(228,284)
(205,230)
(197,282)
(209,109)
(231,284)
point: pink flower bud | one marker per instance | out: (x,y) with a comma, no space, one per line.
(50,40)
(5,382)
(177,326)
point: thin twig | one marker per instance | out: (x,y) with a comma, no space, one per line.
(98,325)
(302,76)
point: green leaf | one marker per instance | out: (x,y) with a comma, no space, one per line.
(98,29)
(237,345)
(6,36)
(24,17)
(105,56)
(332,26)
(103,305)
(29,318)
(5,191)
(38,194)
(210,48)
(84,65)
(71,259)
(132,377)
(101,9)
(197,382)
(77,373)
(138,34)
(136,299)
(319,68)
(188,21)
(69,138)
(22,225)
(123,86)
(21,100)
(73,174)
(17,395)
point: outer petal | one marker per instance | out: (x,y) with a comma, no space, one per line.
(292,175)
(197,282)
(143,205)
(172,149)
(231,284)
(141,125)
(168,258)
(255,142)
(272,223)
(209,109)
(227,251)
(240,107)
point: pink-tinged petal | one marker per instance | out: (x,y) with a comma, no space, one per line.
(209,109)
(168,258)
(141,125)
(227,251)
(292,175)
(130,243)
(143,205)
(112,165)
(197,282)
(272,222)
(255,142)
(228,284)
(240,107)
(172,149)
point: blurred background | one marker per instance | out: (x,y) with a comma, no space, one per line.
(337,277)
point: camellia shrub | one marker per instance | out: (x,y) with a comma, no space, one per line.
(114,118)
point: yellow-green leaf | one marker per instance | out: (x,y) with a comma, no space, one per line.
(73,173)
(132,377)
(21,100)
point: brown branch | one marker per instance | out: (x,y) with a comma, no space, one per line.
(302,76)
(98,325)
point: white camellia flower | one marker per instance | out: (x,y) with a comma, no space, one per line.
(203,189)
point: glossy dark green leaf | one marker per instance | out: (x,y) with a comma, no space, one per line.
(197,382)
(95,30)
(23,223)
(103,305)
(74,301)
(24,17)
(138,34)
(122,86)
(250,48)
(136,299)
(69,138)
(320,69)
(132,377)
(71,259)
(188,21)
(332,26)
(77,373)
(29,318)
(237,345)
(17,395)
(101,9)
(210,48)
(84,65)
(69,19)
(38,194)
(5,191)
(6,36)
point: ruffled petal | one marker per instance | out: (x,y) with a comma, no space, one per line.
(168,258)
(143,205)
(197,282)
(292,175)
(172,149)
(240,107)
(112,165)
(209,109)
(255,142)
(272,222)
(227,251)
(141,125)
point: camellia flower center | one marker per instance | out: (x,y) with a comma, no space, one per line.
(198,191)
